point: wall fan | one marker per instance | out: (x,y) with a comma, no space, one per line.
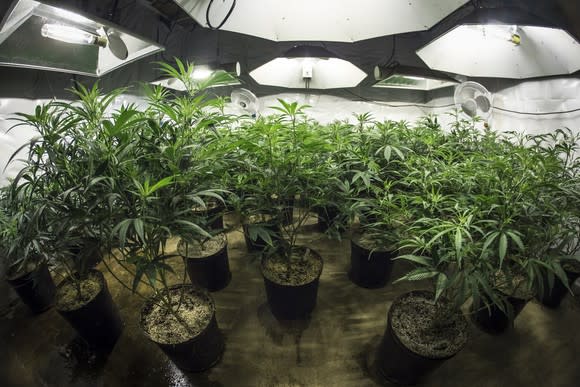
(474,99)
(246,101)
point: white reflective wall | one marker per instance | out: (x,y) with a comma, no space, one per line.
(533,96)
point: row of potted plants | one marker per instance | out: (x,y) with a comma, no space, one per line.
(483,216)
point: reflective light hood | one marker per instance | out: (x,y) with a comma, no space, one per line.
(44,37)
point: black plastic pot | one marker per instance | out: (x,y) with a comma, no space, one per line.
(327,216)
(98,322)
(552,298)
(36,288)
(199,353)
(212,272)
(288,302)
(287,214)
(397,363)
(214,216)
(493,320)
(259,244)
(86,255)
(369,269)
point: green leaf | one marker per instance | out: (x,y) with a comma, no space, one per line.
(190,226)
(138,224)
(458,242)
(440,285)
(415,258)
(502,248)
(419,274)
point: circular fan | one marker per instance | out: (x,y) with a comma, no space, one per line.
(245,100)
(475,100)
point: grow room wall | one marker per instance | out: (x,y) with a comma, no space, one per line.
(533,97)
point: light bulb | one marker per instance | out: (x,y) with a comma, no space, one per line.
(501,32)
(72,35)
(201,73)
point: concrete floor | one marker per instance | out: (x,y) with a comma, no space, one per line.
(330,349)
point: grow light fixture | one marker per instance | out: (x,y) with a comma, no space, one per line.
(504,44)
(320,20)
(200,73)
(410,78)
(308,67)
(41,36)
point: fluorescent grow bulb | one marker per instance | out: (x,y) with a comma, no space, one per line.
(72,35)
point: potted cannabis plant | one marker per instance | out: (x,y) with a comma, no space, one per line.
(21,253)
(379,202)
(282,166)
(183,128)
(66,172)
(155,196)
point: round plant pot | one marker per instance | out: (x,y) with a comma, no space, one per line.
(327,216)
(86,254)
(213,214)
(97,319)
(198,351)
(258,244)
(295,296)
(35,288)
(399,358)
(493,320)
(209,269)
(369,268)
(287,212)
(553,297)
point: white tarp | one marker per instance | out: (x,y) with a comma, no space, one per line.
(552,95)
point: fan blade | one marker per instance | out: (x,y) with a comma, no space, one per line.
(483,103)
(469,107)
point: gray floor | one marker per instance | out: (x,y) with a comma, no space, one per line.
(332,348)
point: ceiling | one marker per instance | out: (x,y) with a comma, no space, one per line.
(164,22)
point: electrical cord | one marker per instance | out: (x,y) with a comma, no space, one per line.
(393,49)
(452,104)
(211,27)
(537,113)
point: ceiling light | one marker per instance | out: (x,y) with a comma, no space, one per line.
(320,20)
(198,75)
(309,67)
(72,35)
(201,73)
(504,42)
(76,43)
(493,51)
(405,77)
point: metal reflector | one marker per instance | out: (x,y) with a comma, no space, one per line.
(40,36)
(328,20)
(503,51)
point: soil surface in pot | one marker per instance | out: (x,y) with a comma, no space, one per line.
(186,322)
(412,322)
(15,272)
(571,266)
(209,205)
(259,219)
(68,297)
(370,243)
(303,267)
(196,249)
(514,286)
